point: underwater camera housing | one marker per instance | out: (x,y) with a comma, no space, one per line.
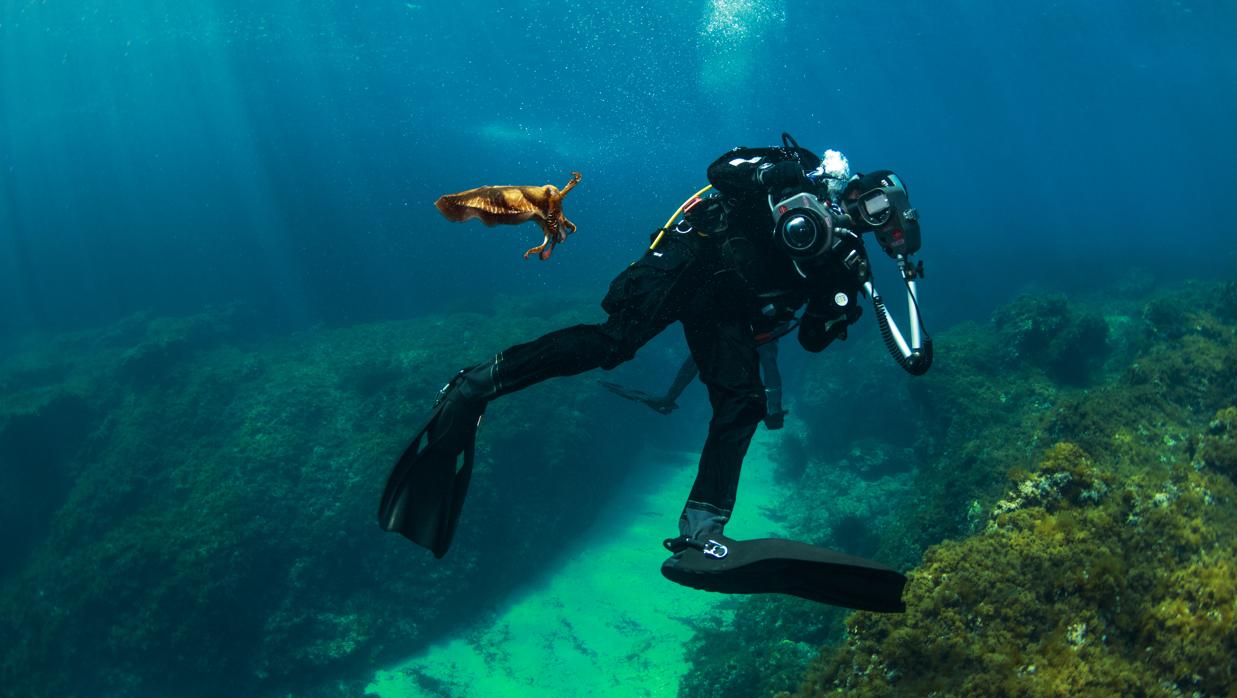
(886,211)
(804,226)
(809,230)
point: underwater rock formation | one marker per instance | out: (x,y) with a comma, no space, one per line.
(213,527)
(1050,525)
(1219,445)
(1044,331)
(1081,582)
(35,449)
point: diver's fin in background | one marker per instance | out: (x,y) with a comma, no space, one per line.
(773,565)
(661,405)
(426,488)
(628,393)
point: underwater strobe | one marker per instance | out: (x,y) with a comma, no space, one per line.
(885,209)
(810,231)
(916,355)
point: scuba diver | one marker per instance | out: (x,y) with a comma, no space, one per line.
(766,347)
(782,233)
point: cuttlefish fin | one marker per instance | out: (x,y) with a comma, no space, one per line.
(492,205)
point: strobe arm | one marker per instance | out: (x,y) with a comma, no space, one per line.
(916,357)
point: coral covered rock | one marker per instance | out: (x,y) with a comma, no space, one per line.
(207,502)
(1046,332)
(1219,445)
(1079,584)
(1115,522)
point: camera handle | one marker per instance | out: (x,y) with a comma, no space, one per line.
(916,357)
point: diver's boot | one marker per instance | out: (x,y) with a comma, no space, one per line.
(461,404)
(469,391)
(700,519)
(700,527)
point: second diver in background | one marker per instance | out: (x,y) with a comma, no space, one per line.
(766,347)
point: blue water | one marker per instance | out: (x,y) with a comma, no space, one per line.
(164,156)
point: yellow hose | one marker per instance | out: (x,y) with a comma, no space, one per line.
(677,211)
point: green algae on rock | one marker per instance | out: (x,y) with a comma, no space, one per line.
(214,532)
(1105,476)
(1080,583)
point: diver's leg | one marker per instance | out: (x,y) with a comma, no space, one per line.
(426,489)
(570,351)
(564,352)
(641,302)
(726,355)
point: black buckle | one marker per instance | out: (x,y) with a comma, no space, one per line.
(677,545)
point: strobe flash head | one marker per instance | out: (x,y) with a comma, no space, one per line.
(874,208)
(878,203)
(804,227)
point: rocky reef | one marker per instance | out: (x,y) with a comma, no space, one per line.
(1060,489)
(194,500)
(192,504)
(1082,582)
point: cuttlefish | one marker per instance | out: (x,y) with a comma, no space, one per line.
(512,205)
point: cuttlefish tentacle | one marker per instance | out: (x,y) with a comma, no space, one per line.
(575,179)
(544,250)
(511,205)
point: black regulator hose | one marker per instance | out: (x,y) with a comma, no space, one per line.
(920,360)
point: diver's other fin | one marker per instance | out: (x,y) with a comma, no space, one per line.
(661,405)
(426,489)
(776,566)
(628,393)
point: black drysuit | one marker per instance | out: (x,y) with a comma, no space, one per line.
(717,276)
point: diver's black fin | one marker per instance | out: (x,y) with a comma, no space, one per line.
(773,565)
(426,488)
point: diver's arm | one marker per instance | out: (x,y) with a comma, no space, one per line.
(745,172)
(833,305)
(687,373)
(824,321)
(665,404)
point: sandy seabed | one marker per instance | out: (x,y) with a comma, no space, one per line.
(606,623)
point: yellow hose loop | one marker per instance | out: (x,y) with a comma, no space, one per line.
(675,216)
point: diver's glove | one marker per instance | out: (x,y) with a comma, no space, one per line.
(783,175)
(819,329)
(776,420)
